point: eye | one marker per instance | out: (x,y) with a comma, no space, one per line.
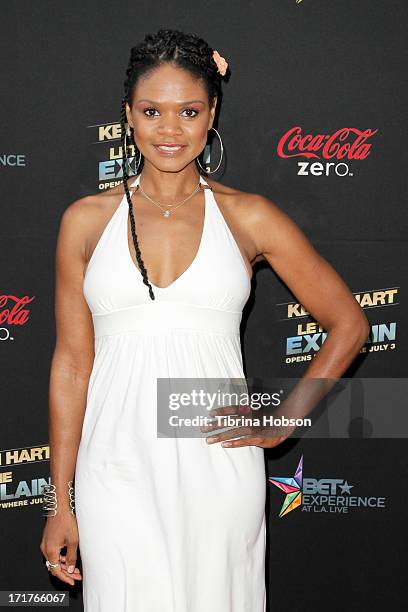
(148,109)
(193,110)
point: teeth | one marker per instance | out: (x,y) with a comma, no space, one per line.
(166,148)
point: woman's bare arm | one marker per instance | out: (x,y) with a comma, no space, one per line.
(315,283)
(324,294)
(73,356)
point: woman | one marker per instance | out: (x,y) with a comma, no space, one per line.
(169,525)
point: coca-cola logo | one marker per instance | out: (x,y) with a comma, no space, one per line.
(344,144)
(13,311)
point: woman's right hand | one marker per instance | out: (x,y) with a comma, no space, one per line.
(59,531)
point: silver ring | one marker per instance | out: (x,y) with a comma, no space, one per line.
(48,564)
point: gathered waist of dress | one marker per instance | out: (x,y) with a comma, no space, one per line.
(159,317)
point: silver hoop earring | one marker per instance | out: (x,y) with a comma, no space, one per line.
(140,155)
(219,163)
(138,163)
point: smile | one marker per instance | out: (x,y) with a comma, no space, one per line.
(169,149)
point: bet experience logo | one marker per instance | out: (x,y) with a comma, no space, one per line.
(320,494)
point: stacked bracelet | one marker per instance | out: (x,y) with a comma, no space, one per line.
(50,496)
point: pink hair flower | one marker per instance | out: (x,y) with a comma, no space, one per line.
(222,65)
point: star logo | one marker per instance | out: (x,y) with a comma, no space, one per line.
(345,488)
(292,486)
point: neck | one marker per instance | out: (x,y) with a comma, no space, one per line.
(168,185)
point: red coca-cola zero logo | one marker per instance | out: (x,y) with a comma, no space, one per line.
(16,314)
(324,146)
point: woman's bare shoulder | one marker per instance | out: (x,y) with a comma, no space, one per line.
(88,210)
(242,199)
(98,199)
(250,211)
(84,219)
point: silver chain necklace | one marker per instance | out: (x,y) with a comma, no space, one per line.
(166,213)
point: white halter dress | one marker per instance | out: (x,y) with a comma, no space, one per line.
(166,524)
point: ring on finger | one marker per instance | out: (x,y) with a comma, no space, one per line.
(49,565)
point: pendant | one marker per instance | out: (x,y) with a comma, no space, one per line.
(166,214)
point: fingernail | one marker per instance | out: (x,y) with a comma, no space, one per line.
(209,440)
(71,569)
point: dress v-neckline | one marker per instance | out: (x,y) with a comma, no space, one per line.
(200,246)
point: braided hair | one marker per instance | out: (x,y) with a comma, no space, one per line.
(186,51)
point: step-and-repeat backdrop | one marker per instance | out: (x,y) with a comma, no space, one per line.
(312,118)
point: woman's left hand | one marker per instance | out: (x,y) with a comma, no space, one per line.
(244,435)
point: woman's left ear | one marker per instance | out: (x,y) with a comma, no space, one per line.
(213,107)
(127,108)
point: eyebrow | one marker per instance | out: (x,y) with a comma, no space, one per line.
(180,103)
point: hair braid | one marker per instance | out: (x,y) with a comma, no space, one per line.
(131,215)
(187,51)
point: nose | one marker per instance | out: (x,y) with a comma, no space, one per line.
(169,124)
